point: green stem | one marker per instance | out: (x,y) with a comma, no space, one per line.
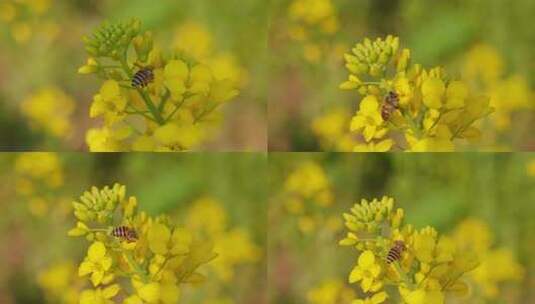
(440,116)
(110,66)
(204,113)
(413,125)
(98,230)
(429,273)
(165,97)
(152,108)
(462,128)
(139,112)
(177,107)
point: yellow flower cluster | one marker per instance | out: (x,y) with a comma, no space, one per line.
(406,106)
(49,111)
(498,265)
(173,112)
(37,175)
(26,18)
(195,40)
(60,283)
(209,219)
(331,130)
(424,269)
(312,22)
(307,191)
(151,267)
(331,291)
(484,70)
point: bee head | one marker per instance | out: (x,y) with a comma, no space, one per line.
(400,244)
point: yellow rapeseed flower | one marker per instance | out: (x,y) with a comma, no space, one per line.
(99,296)
(97,263)
(377,298)
(110,102)
(367,272)
(368,119)
(330,291)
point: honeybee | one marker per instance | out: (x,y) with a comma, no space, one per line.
(142,77)
(125,233)
(394,254)
(390,104)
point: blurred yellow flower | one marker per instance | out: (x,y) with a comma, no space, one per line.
(206,214)
(331,130)
(484,68)
(38,167)
(330,291)
(312,18)
(194,39)
(507,96)
(226,66)
(483,62)
(306,189)
(38,179)
(59,283)
(49,110)
(234,246)
(498,265)
(310,181)
(99,296)
(27,18)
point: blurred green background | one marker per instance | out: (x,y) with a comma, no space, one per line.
(440,190)
(493,36)
(34,224)
(42,48)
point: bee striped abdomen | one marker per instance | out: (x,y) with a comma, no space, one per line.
(394,254)
(142,78)
(124,233)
